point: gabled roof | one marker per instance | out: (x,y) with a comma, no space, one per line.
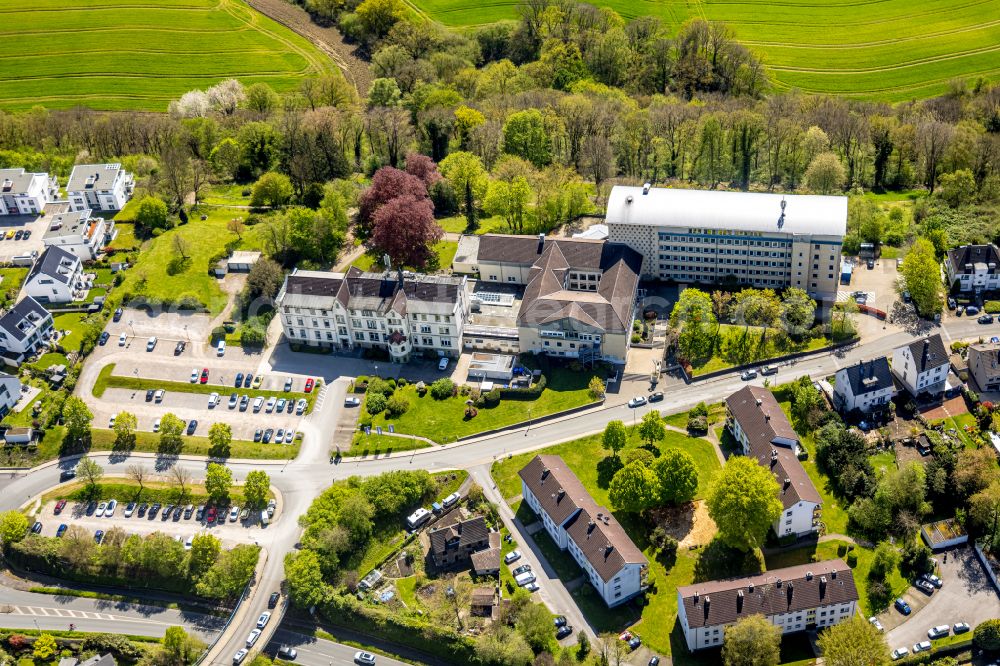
(869,376)
(985,358)
(356,289)
(785,590)
(958,257)
(467,532)
(23,318)
(57,264)
(772,441)
(558,490)
(736,211)
(928,353)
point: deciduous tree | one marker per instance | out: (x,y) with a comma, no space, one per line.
(404,228)
(921,276)
(171,434)
(205,549)
(853,642)
(825,174)
(744,503)
(615,437)
(677,477)
(255,487)
(44,647)
(138,473)
(271,190)
(125,426)
(151,213)
(305,578)
(77,418)
(387,184)
(220,436)
(752,641)
(90,472)
(651,428)
(468,177)
(218,482)
(692,316)
(13,527)
(633,488)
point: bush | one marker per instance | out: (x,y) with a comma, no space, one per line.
(375,403)
(697,423)
(636,338)
(379,385)
(218,333)
(492,397)
(992,307)
(987,635)
(442,389)
(396,406)
(852,559)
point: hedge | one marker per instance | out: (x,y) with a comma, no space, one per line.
(525,393)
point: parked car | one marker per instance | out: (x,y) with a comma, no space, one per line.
(902,606)
(100,510)
(110,511)
(204,376)
(747,375)
(258,434)
(234,514)
(939,631)
(922,646)
(524,579)
(267,435)
(252,638)
(364,658)
(289,406)
(301,405)
(281,405)
(156,425)
(213,400)
(271,402)
(637,401)
(121,340)
(244,402)
(985,319)
(129,509)
(62,530)
(159,395)
(656,396)
(36,528)
(272,601)
(289,436)
(111,421)
(288,383)
(178,512)
(876,624)
(167,510)
(194,375)
(310,384)
(287,653)
(900,652)
(142,509)
(262,620)
(99,536)
(103,340)
(239,380)
(234,399)
(520,570)
(351,401)
(240,655)
(279,435)
(210,514)
(151,344)
(179,348)
(924,586)
(67,474)
(272,504)
(118,315)
(952,304)
(961,627)
(153,510)
(769,370)
(257,381)
(971,310)
(60,505)
(443,364)
(149,395)
(257,404)
(188,511)
(933,580)
(199,512)
(188,542)
(532,587)
(654,661)
(559,621)
(247,380)
(192,426)
(512,556)
(563,631)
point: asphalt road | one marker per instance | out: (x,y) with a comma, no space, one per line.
(299,481)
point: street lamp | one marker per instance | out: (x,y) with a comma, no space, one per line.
(529,423)
(131,327)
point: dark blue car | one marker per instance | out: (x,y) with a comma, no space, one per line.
(902,606)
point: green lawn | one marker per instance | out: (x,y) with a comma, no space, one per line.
(11,278)
(375,445)
(75,52)
(227,195)
(456,224)
(444,421)
(891,50)
(126,491)
(959,423)
(73,322)
(125,239)
(444,253)
(50,359)
(751,352)
(161,273)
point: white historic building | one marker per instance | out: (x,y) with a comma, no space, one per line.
(702,236)
(975,268)
(23,193)
(922,365)
(403,313)
(101,187)
(866,386)
(799,598)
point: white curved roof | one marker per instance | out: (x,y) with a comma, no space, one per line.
(741,211)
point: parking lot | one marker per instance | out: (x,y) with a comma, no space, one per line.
(967,595)
(9,247)
(230,533)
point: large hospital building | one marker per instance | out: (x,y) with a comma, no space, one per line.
(760,239)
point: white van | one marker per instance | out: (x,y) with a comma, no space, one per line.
(524,579)
(257,404)
(450,500)
(220,349)
(418,518)
(264,518)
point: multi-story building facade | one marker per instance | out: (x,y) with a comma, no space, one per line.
(755,419)
(23,193)
(799,598)
(78,232)
(866,386)
(55,277)
(984,366)
(579,296)
(23,329)
(922,365)
(761,239)
(611,562)
(975,268)
(403,313)
(101,187)
(10,393)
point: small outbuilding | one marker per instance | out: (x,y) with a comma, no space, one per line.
(242,261)
(943,534)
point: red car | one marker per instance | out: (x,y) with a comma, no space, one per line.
(309,385)
(204,376)
(60,505)
(210,515)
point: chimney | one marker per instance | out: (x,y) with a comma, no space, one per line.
(788,482)
(628,199)
(774,457)
(809,575)
(590,526)
(708,601)
(695,598)
(645,189)
(560,493)
(545,473)
(833,574)
(541,243)
(791,588)
(759,402)
(778,583)
(751,587)
(739,602)
(767,417)
(822,586)
(608,549)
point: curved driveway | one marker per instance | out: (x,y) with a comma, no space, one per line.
(312,471)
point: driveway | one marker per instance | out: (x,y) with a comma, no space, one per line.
(966,596)
(10,248)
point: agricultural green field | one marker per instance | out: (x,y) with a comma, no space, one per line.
(880,49)
(140,54)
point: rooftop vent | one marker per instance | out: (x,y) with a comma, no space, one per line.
(781,218)
(628,199)
(759,402)
(561,492)
(708,601)
(788,482)
(645,188)
(791,588)
(809,575)
(696,597)
(545,472)
(750,586)
(778,583)
(590,526)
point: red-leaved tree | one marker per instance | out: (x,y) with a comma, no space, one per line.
(424,168)
(404,228)
(387,184)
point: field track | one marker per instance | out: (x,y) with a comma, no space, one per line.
(140,55)
(879,49)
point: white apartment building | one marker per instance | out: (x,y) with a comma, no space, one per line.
(922,366)
(77,232)
(403,313)
(761,239)
(23,329)
(56,276)
(755,419)
(23,193)
(973,267)
(866,386)
(10,393)
(612,563)
(799,598)
(101,187)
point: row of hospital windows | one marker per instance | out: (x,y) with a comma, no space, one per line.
(360,337)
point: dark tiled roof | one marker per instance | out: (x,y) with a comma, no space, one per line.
(801,587)
(482,596)
(772,442)
(48,264)
(563,498)
(974,254)
(928,353)
(486,561)
(27,308)
(869,376)
(467,532)
(313,286)
(374,291)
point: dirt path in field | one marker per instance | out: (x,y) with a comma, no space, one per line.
(329,40)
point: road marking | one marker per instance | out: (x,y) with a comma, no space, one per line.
(76,614)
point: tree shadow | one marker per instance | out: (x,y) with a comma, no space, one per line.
(178,265)
(718,560)
(606,469)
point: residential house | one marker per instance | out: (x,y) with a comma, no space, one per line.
(799,598)
(78,232)
(487,562)
(10,393)
(922,365)
(755,419)
(23,329)
(973,268)
(56,276)
(482,601)
(23,193)
(984,365)
(611,562)
(763,239)
(101,187)
(579,295)
(457,542)
(866,386)
(403,313)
